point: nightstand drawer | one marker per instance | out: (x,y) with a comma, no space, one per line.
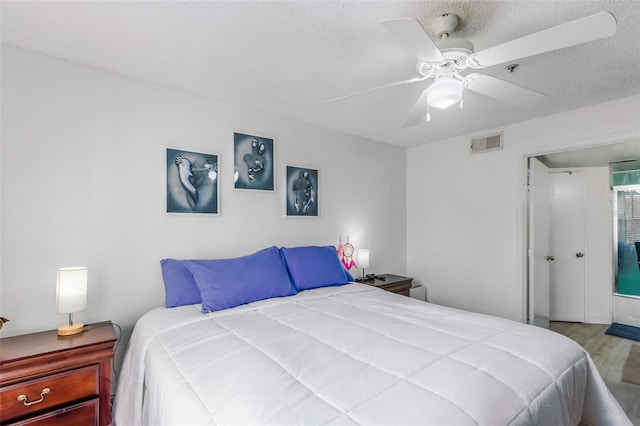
(399,288)
(22,399)
(84,414)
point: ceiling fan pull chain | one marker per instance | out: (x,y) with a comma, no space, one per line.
(428,115)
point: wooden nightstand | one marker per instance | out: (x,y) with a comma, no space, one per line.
(393,283)
(57,380)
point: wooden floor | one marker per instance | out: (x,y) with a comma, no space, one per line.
(609,353)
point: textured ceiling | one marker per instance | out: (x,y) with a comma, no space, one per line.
(290,57)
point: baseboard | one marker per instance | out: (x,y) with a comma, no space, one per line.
(599,319)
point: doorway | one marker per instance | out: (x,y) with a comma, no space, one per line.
(627,239)
(597,255)
(626,296)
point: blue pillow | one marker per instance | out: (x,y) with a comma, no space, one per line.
(179,286)
(225,283)
(313,267)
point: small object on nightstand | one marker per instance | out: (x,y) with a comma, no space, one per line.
(392,283)
(363,260)
(71,296)
(51,379)
(368,277)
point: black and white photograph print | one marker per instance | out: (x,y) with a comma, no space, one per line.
(192,182)
(254,162)
(302,191)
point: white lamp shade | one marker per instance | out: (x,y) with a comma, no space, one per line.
(363,258)
(71,295)
(444,92)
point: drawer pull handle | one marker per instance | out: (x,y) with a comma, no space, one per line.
(24,398)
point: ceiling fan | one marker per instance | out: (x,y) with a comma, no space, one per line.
(447,59)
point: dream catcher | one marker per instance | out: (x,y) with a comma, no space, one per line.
(345,253)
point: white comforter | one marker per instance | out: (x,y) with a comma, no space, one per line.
(354,355)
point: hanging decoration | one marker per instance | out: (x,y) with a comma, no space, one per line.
(347,255)
(340,249)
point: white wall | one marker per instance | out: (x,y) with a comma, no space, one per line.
(83,183)
(465,220)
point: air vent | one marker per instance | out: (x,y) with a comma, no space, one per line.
(486,143)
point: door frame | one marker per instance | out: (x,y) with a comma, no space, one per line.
(538,180)
(523,206)
(614,224)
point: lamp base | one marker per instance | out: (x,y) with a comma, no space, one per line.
(68,330)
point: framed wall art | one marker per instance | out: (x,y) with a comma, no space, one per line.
(254,162)
(193,184)
(302,191)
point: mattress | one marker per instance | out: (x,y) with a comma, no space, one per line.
(354,354)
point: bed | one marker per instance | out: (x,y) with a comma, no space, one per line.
(353,354)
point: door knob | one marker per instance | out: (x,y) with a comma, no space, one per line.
(579,255)
(548,258)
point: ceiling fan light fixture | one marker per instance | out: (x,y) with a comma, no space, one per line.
(444,92)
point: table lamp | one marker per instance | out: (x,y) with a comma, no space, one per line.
(363,260)
(71,296)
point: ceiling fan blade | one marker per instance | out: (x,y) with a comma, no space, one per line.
(503,91)
(418,112)
(412,35)
(590,28)
(397,83)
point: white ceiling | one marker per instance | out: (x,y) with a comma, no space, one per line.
(289,57)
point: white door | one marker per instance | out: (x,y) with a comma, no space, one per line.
(539,255)
(567,200)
